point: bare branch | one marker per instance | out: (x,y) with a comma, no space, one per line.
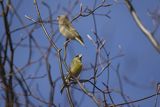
(150,37)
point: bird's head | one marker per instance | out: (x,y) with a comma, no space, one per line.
(79,56)
(62,18)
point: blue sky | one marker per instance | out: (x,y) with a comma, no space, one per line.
(140,63)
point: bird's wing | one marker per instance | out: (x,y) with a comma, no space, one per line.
(76,67)
(77,36)
(73,30)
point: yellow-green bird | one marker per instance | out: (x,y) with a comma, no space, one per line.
(67,30)
(74,70)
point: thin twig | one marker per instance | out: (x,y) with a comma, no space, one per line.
(135,101)
(149,35)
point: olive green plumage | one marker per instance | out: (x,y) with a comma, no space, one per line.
(76,66)
(74,70)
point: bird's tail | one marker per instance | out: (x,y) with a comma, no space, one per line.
(66,83)
(62,88)
(80,40)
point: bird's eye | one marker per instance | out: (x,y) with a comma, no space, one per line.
(58,17)
(66,17)
(76,55)
(80,56)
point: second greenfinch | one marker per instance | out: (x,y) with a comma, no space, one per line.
(74,70)
(67,30)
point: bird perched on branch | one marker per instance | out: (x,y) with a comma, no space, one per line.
(67,30)
(74,70)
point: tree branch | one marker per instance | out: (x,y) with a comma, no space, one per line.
(148,34)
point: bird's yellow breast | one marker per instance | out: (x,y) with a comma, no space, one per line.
(76,68)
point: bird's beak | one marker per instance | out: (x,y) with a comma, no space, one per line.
(80,56)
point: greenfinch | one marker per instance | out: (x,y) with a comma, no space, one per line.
(67,30)
(74,70)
